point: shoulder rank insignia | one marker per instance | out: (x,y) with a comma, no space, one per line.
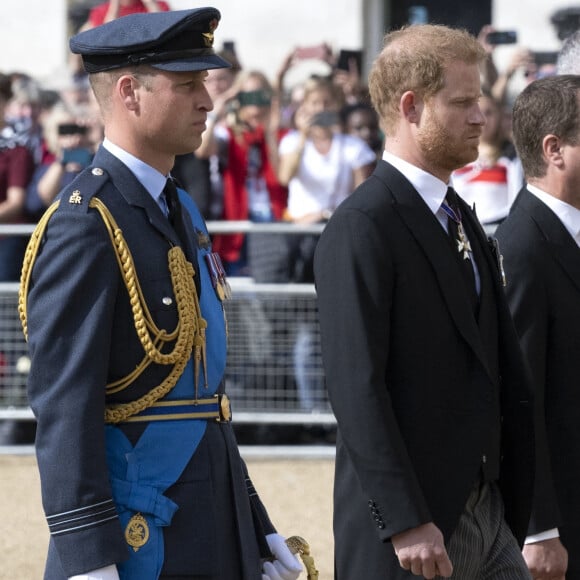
(75,197)
(137,532)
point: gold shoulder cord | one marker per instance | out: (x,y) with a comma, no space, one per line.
(188,334)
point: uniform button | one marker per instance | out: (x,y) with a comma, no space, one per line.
(167,300)
(97,171)
(484,458)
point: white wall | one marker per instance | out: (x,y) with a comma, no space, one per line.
(33,36)
(266,31)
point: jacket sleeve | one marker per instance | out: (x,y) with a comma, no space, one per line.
(354,281)
(70,310)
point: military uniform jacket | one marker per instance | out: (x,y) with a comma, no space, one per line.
(419,387)
(82,337)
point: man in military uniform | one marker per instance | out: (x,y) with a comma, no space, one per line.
(121,300)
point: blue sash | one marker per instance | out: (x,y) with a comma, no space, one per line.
(141,474)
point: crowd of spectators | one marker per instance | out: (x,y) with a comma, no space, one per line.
(271,152)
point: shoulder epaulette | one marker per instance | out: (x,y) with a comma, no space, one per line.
(78,194)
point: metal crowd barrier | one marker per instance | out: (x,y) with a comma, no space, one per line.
(274,372)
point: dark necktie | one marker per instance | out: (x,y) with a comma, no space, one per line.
(461,244)
(175,216)
(174,213)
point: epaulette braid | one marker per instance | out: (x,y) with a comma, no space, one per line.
(28,262)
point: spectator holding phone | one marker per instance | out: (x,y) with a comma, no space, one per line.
(319,163)
(247,126)
(70,151)
(321,166)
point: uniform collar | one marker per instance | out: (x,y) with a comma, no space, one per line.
(149,177)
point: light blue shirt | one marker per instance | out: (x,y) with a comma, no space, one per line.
(151,179)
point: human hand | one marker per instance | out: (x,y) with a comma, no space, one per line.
(422,551)
(482,38)
(285,566)
(521,58)
(546,560)
(106,573)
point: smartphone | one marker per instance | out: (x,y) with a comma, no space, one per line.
(229,46)
(541,58)
(344,58)
(260,98)
(502,37)
(71,129)
(325,119)
(79,155)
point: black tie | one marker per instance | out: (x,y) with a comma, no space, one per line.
(459,241)
(175,216)
(174,213)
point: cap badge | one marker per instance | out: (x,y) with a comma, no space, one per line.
(75,197)
(208,36)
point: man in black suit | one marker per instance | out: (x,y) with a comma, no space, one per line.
(423,367)
(539,242)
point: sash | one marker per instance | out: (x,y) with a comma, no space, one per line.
(141,474)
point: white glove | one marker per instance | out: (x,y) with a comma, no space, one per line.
(286,565)
(106,573)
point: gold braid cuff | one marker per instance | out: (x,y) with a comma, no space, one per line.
(188,335)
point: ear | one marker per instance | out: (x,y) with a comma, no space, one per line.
(127,90)
(411,106)
(552,149)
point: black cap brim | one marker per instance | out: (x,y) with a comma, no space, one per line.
(209,62)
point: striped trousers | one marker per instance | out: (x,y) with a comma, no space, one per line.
(482,547)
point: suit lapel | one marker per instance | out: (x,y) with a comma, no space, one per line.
(560,242)
(432,239)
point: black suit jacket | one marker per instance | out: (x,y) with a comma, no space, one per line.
(416,385)
(542,263)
